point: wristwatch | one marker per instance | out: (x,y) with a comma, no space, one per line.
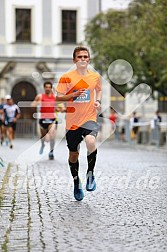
(99,101)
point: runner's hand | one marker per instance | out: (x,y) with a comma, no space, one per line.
(80,92)
(97,105)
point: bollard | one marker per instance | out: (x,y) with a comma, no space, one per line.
(157,129)
(155,135)
(139,137)
(145,137)
(162,139)
(127,131)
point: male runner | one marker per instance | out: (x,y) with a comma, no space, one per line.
(81,116)
(11,113)
(47,121)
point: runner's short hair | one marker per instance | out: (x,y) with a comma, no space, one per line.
(80,48)
(47,82)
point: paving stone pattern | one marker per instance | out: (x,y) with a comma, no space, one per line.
(127,212)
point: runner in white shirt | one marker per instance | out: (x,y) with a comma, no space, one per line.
(2,133)
(11,113)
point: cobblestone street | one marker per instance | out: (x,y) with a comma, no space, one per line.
(127,212)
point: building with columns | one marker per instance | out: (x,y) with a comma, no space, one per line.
(38,37)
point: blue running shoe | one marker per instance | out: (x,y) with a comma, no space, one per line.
(41,149)
(90,183)
(78,192)
(6,141)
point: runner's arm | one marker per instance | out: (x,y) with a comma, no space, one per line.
(18,113)
(67,97)
(3,115)
(61,107)
(36,101)
(98,99)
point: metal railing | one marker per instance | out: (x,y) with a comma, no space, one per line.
(26,128)
(148,135)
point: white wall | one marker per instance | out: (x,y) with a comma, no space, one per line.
(58,6)
(10,6)
(115,4)
(36,7)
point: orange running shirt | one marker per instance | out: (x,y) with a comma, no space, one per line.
(81,109)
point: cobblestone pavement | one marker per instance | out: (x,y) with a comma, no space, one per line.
(127,212)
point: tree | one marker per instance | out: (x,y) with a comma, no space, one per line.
(137,35)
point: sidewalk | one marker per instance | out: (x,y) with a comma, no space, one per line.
(127,212)
(136,146)
(23,145)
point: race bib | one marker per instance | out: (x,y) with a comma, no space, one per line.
(83,98)
(47,121)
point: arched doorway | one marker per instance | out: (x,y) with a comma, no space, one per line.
(26,125)
(24,91)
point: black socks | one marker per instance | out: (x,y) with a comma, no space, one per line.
(52,144)
(42,141)
(74,167)
(91,161)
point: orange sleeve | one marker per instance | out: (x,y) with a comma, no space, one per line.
(62,86)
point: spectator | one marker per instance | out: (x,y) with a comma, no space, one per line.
(134,129)
(113,120)
(156,120)
(157,117)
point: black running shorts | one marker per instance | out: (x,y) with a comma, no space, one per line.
(75,137)
(11,125)
(44,123)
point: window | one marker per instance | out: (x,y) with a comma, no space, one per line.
(23,25)
(69,26)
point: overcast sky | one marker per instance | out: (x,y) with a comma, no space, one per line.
(118,4)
